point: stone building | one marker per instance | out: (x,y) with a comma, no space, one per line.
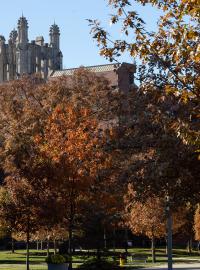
(19,56)
(120,76)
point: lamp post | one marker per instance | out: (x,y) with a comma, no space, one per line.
(169,234)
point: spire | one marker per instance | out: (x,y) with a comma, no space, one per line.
(54,33)
(54,29)
(2,39)
(22,30)
(13,36)
(22,20)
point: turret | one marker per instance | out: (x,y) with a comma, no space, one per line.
(18,56)
(13,36)
(3,60)
(12,55)
(22,30)
(39,41)
(22,47)
(2,41)
(54,34)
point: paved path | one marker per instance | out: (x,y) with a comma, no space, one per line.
(179,266)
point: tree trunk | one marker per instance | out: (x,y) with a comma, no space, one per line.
(153,249)
(41,245)
(114,239)
(47,247)
(169,240)
(37,245)
(13,245)
(198,247)
(166,251)
(73,196)
(27,245)
(70,241)
(98,254)
(104,238)
(189,246)
(126,241)
(70,247)
(55,246)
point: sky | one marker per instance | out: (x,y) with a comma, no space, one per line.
(76,42)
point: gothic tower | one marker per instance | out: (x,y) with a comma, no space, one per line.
(22,47)
(57,56)
(19,56)
(3,60)
(54,34)
(12,54)
(22,30)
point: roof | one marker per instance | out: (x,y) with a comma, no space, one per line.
(99,68)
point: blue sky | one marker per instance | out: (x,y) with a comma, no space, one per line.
(76,42)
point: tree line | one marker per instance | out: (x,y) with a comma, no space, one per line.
(96,155)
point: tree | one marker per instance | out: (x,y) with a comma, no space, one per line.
(24,108)
(149,217)
(187,230)
(75,145)
(197,223)
(7,216)
(169,56)
(169,68)
(27,106)
(149,154)
(102,210)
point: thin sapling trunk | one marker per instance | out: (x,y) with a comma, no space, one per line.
(27,244)
(153,249)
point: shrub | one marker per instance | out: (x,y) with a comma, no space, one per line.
(96,264)
(55,259)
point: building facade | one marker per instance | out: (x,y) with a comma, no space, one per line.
(19,56)
(120,76)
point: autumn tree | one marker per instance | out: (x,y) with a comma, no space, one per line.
(102,210)
(187,229)
(7,216)
(197,223)
(58,137)
(20,212)
(63,115)
(168,58)
(74,143)
(150,155)
(22,114)
(58,232)
(149,217)
(24,108)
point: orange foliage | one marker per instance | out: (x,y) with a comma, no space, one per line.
(197,223)
(149,217)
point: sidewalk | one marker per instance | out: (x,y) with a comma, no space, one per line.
(179,266)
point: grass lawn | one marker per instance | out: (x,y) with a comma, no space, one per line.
(17,261)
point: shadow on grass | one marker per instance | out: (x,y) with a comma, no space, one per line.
(19,262)
(132,267)
(38,254)
(37,257)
